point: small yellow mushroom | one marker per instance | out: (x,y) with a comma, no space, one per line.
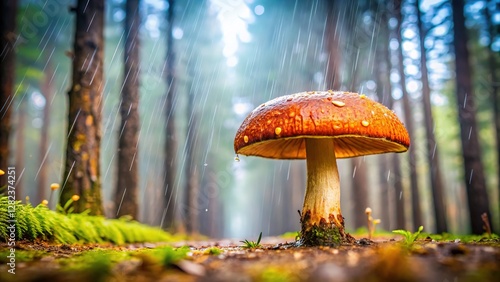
(89,120)
(54,186)
(75,198)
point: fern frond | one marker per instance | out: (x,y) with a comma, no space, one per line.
(42,223)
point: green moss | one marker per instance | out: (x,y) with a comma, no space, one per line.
(321,236)
(213,251)
(168,255)
(96,264)
(326,233)
(21,255)
(470,238)
(273,274)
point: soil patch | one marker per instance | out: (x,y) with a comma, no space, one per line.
(276,260)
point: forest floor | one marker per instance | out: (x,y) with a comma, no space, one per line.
(385,258)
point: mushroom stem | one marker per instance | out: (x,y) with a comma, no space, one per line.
(321,219)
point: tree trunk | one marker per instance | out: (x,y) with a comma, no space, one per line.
(127,184)
(20,130)
(296,190)
(389,166)
(471,150)
(394,166)
(82,171)
(495,95)
(359,170)
(359,191)
(384,167)
(438,195)
(191,162)
(408,115)
(384,194)
(43,149)
(332,76)
(8,12)
(170,163)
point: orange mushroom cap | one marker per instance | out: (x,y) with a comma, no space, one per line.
(357,125)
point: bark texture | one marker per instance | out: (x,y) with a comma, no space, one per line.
(384,97)
(359,190)
(20,130)
(170,163)
(495,94)
(394,173)
(8,11)
(332,33)
(44,148)
(127,184)
(408,115)
(471,149)
(438,194)
(192,172)
(82,168)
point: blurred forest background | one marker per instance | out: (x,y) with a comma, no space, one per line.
(203,65)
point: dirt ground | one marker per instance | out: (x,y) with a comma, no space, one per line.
(383,259)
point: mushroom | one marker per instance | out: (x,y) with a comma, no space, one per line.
(321,126)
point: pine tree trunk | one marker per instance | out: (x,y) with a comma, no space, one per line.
(359,191)
(127,184)
(394,161)
(408,116)
(8,12)
(297,191)
(82,171)
(471,149)
(332,76)
(20,130)
(191,164)
(495,94)
(359,170)
(43,149)
(384,166)
(438,194)
(170,163)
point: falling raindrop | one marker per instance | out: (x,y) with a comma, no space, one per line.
(388,175)
(206,210)
(121,202)
(471,173)
(205,164)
